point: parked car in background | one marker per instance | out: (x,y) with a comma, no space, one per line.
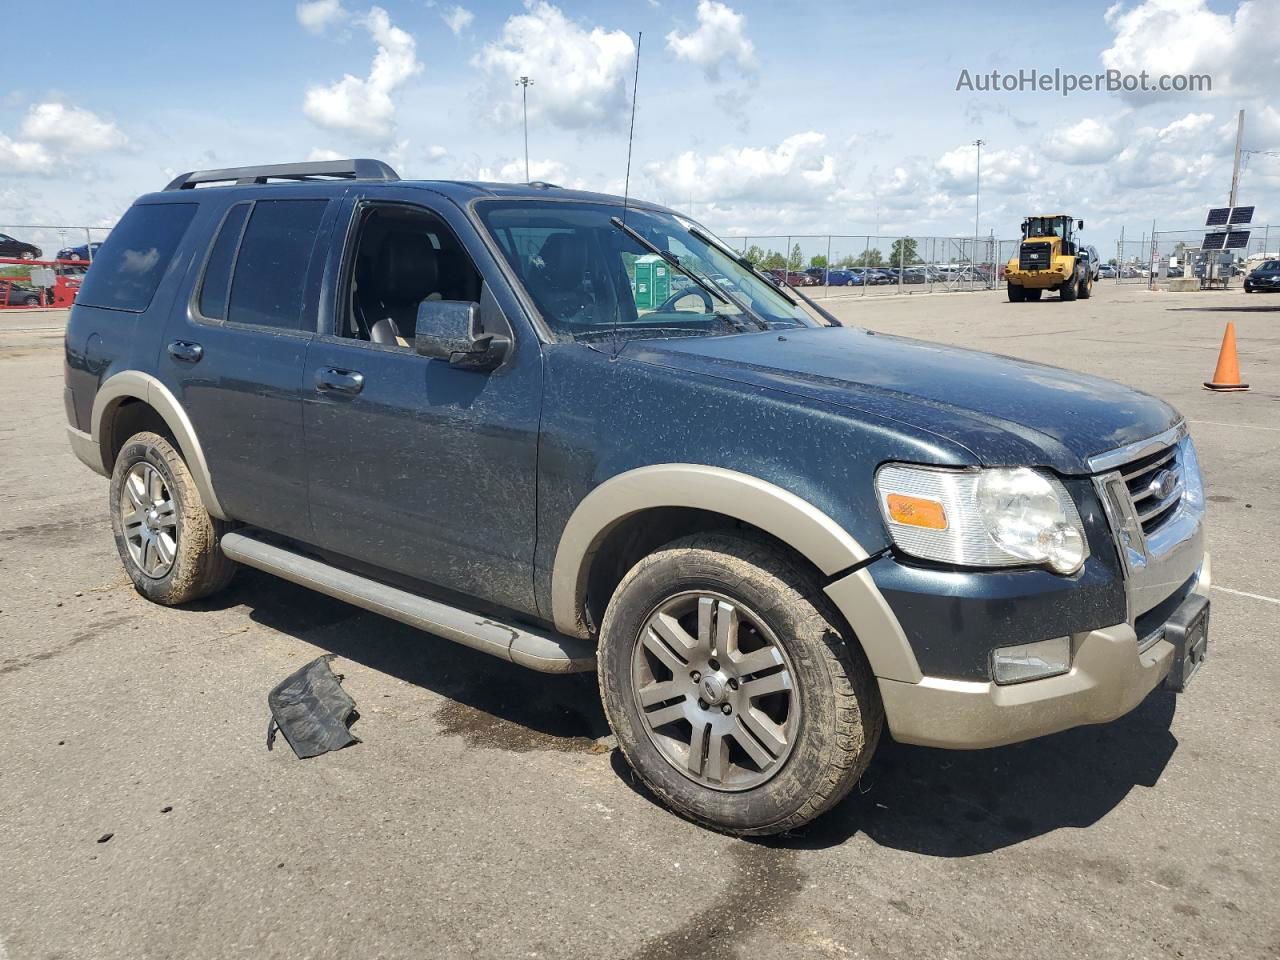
(1094,261)
(796,279)
(86,251)
(16,295)
(16,249)
(1108,271)
(1264,277)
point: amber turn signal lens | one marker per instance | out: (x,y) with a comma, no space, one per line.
(916,512)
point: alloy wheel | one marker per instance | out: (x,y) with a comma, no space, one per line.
(715,690)
(149,519)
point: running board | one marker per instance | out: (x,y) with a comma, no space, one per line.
(543,651)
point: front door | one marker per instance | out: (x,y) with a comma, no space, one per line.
(417,466)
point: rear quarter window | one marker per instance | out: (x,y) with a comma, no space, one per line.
(133,259)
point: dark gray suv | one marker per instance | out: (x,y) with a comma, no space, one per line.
(471,407)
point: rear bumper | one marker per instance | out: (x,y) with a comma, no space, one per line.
(86,450)
(1108,678)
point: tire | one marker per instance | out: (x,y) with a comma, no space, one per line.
(1086,288)
(1017,293)
(782,619)
(28,255)
(183,561)
(1069,289)
(31,301)
(1034,295)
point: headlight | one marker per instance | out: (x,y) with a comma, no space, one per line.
(983,518)
(1192,484)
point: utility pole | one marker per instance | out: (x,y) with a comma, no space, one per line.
(977,193)
(524,83)
(1235,171)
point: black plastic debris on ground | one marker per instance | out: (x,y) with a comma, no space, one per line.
(312,710)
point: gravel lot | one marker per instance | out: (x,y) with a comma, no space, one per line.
(480,818)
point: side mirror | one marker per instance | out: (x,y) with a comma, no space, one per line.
(451,330)
(1079,224)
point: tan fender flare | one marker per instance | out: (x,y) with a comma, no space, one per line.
(135,385)
(749,499)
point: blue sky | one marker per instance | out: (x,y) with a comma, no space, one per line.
(770,118)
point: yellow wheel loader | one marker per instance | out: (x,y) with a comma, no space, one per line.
(1050,257)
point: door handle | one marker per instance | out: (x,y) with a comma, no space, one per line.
(333,380)
(185,351)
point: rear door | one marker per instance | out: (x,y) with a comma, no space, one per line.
(234,354)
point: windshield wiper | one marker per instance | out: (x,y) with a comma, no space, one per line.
(746,264)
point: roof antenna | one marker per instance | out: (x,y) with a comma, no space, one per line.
(635,86)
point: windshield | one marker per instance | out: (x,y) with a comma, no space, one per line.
(589,280)
(1046,227)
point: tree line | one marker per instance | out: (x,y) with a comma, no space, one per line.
(902,253)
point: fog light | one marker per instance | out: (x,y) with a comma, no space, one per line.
(1031,661)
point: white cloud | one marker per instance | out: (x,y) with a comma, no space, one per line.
(579,74)
(1003,171)
(365,107)
(798,168)
(719,39)
(458,19)
(512,171)
(316,15)
(1088,141)
(18,156)
(1240,51)
(71,130)
(321,153)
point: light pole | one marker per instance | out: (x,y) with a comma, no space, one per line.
(524,83)
(977,193)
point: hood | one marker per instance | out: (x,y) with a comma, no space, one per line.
(1005,411)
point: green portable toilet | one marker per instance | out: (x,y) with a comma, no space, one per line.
(652,283)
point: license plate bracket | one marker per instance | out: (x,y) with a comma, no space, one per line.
(1188,631)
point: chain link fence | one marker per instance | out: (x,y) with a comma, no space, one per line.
(41,265)
(831,265)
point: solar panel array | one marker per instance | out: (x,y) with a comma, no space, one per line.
(1218,217)
(1213,241)
(1241,215)
(1237,239)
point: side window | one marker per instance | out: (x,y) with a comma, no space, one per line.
(133,259)
(217,273)
(403,255)
(270,272)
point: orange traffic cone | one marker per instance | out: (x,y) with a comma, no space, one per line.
(1227,374)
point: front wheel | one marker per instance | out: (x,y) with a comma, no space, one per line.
(1086,288)
(1069,289)
(1034,295)
(732,690)
(168,542)
(1017,293)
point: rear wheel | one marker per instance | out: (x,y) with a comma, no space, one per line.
(1069,289)
(730,688)
(1034,295)
(31,301)
(1017,293)
(168,542)
(1086,287)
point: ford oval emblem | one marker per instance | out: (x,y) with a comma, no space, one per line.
(1163,484)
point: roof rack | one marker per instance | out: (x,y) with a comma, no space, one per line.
(315,170)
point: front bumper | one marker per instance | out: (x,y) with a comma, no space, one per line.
(1036,279)
(1109,676)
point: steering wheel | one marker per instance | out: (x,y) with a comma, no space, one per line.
(668,305)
